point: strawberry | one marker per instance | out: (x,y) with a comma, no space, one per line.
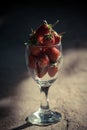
(57,37)
(40,39)
(35,50)
(37,36)
(41,71)
(31,61)
(41,31)
(52,71)
(48,40)
(53,54)
(43,60)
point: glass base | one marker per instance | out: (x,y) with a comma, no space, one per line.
(44,118)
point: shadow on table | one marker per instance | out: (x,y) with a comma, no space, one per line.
(22,126)
(26,125)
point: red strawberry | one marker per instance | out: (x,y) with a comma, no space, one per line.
(52,71)
(57,37)
(31,61)
(43,60)
(41,71)
(35,50)
(41,31)
(40,39)
(53,54)
(48,40)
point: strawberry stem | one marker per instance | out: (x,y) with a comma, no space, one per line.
(45,21)
(55,23)
(48,36)
(62,33)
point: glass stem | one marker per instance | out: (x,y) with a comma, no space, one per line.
(44,97)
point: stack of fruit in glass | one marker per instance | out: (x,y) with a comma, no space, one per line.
(43,59)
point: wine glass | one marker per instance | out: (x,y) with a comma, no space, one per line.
(44,68)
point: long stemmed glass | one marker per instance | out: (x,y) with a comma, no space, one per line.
(44,74)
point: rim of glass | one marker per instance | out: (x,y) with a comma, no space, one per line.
(58,44)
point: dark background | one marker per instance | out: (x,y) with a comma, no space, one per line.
(16,19)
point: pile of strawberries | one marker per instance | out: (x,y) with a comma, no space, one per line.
(43,53)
